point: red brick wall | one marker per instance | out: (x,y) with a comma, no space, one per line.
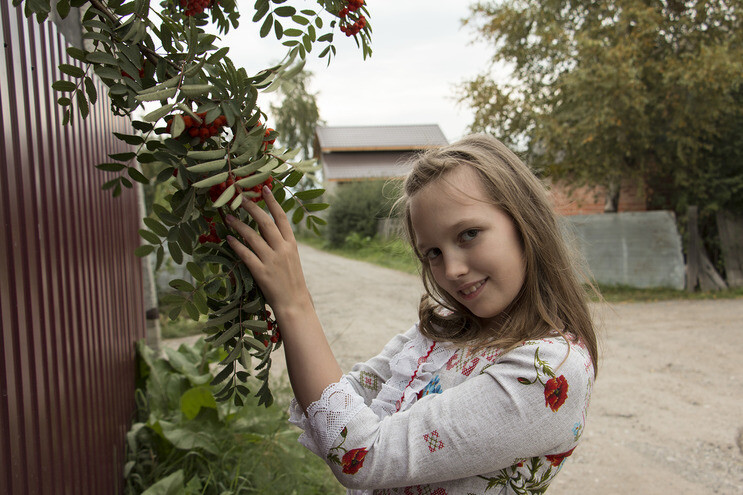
(590,200)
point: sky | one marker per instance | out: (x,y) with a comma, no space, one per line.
(421,53)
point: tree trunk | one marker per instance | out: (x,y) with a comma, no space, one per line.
(730,227)
(611,202)
(699,269)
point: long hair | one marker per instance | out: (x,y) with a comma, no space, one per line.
(551,298)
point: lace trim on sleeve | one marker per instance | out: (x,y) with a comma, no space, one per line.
(411,371)
(327,416)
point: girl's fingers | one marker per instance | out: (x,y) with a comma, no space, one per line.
(254,240)
(266,225)
(278,213)
(249,257)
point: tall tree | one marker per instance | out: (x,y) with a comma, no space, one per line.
(297,114)
(645,90)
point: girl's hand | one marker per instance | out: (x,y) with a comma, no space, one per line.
(272,256)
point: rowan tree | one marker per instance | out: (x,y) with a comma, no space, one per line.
(208,137)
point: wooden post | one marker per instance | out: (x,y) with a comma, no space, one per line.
(730,227)
(699,269)
(692,251)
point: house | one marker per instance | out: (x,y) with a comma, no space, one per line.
(350,153)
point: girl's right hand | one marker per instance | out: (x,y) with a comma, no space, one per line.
(271,256)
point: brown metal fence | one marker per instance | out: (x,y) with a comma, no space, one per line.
(70,287)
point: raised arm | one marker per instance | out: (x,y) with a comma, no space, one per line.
(273,260)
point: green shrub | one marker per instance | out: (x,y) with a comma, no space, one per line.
(356,208)
(185,442)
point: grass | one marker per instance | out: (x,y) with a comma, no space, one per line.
(393,253)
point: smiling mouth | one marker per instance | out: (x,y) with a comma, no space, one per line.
(472,289)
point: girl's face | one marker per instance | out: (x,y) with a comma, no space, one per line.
(472,247)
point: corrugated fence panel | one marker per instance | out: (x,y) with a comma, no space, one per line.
(71,296)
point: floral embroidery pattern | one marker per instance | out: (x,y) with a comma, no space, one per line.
(465,361)
(423,490)
(433,387)
(352,460)
(369,380)
(555,389)
(432,439)
(555,392)
(523,479)
(557,459)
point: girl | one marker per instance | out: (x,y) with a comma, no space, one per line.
(488,392)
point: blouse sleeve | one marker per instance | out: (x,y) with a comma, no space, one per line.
(526,404)
(367,378)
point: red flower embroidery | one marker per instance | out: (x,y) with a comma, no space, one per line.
(555,392)
(557,459)
(353,460)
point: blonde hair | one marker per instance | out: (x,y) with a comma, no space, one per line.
(551,298)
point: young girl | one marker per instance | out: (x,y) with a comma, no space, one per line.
(488,392)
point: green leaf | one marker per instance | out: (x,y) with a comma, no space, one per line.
(64,86)
(76,53)
(82,103)
(194,270)
(132,139)
(266,27)
(196,90)
(234,354)
(177,255)
(111,167)
(310,194)
(155,226)
(156,115)
(223,374)
(148,236)
(123,157)
(71,70)
(213,180)
(170,485)
(144,250)
(253,180)
(285,11)
(194,399)
(298,215)
(316,206)
(101,58)
(137,175)
(225,197)
(163,94)
(90,89)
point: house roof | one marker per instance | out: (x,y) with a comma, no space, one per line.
(382,137)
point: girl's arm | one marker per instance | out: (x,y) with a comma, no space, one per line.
(273,260)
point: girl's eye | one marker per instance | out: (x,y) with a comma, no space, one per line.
(468,235)
(432,253)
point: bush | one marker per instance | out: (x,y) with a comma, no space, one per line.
(356,208)
(183,441)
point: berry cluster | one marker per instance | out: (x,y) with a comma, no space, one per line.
(193,7)
(212,236)
(351,28)
(203,131)
(216,190)
(271,328)
(266,141)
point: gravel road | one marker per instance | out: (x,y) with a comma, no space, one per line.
(667,409)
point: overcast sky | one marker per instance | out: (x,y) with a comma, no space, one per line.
(421,52)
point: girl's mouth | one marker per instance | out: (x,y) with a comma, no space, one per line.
(472,291)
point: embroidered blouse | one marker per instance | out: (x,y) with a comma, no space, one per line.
(425,417)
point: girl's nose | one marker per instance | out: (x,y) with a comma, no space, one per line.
(455,267)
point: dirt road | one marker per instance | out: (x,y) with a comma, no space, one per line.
(667,409)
